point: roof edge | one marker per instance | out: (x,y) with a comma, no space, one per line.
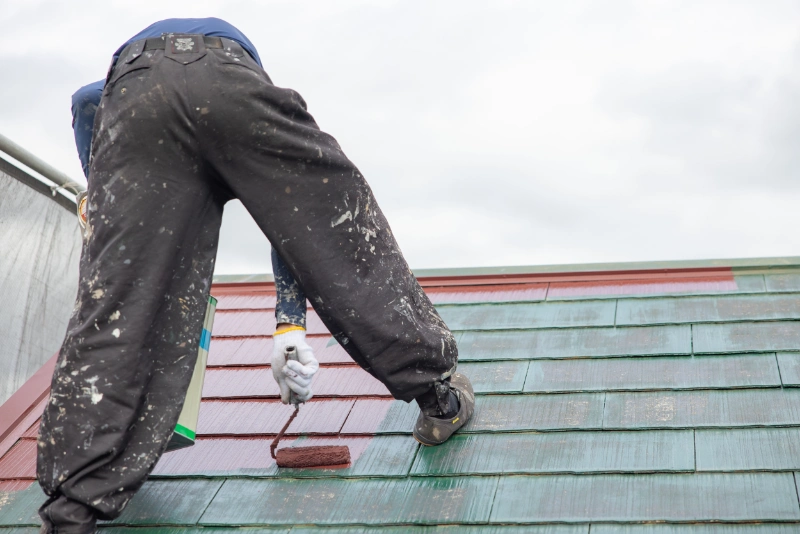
(736,264)
(14,410)
(26,158)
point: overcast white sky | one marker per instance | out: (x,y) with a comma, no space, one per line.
(493,132)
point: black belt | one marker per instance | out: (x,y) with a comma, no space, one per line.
(157,43)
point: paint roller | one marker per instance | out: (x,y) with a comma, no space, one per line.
(314,456)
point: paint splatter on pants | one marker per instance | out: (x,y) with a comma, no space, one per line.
(177,135)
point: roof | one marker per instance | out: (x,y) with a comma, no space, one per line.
(653,400)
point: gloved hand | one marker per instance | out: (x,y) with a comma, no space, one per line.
(293,375)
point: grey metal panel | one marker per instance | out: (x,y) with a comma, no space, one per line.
(40,246)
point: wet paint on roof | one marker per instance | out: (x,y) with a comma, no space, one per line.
(637,400)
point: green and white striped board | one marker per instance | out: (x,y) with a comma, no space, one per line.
(186,429)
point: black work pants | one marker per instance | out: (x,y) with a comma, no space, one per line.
(177,135)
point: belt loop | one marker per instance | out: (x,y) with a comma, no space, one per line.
(135,50)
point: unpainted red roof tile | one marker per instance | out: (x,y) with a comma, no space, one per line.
(33,431)
(20,461)
(235,323)
(14,485)
(224,455)
(700,284)
(248,300)
(30,418)
(265,300)
(489,293)
(239,383)
(258,351)
(258,382)
(250,417)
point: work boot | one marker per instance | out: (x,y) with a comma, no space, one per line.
(431,430)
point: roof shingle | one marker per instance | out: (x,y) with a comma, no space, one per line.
(603,400)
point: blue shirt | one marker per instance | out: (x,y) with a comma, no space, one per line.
(291,304)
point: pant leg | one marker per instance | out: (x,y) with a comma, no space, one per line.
(322,217)
(145,275)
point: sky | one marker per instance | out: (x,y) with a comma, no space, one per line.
(493,133)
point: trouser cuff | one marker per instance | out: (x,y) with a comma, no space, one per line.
(65,516)
(435,401)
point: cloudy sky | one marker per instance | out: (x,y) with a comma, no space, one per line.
(492,132)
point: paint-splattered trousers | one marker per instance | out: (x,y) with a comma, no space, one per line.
(291,303)
(178,133)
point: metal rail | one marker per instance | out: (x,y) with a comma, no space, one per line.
(61,180)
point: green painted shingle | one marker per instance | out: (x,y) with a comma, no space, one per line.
(495,377)
(783,282)
(191,530)
(169,502)
(789,363)
(748,283)
(18,508)
(528,315)
(746,337)
(684,372)
(575,342)
(384,456)
(559,452)
(159,502)
(707,309)
(684,497)
(493,413)
(372,456)
(768,528)
(503,413)
(430,500)
(372,416)
(447,529)
(704,408)
(751,449)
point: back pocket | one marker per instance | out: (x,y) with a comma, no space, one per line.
(133,59)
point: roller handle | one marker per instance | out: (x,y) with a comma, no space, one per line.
(290,353)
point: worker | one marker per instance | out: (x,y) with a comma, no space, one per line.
(186,120)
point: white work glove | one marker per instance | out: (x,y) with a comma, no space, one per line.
(293,375)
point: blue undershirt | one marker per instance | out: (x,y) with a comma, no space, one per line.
(291,303)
